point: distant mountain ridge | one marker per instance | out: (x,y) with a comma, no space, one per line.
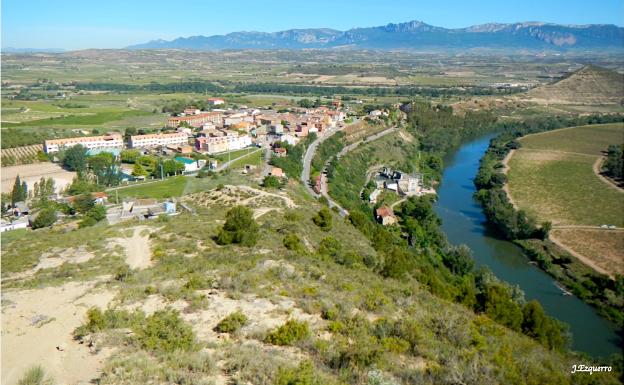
(413,35)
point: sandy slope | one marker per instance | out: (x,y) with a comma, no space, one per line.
(137,248)
(37,328)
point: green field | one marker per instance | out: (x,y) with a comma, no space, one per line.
(552,177)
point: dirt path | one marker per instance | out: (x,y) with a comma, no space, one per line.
(506,172)
(37,328)
(609,182)
(587,261)
(137,248)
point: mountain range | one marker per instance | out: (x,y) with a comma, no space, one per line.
(413,35)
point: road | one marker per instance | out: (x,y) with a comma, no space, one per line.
(309,155)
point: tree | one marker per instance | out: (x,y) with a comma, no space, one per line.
(19,192)
(75,158)
(458,259)
(138,170)
(45,218)
(81,186)
(129,156)
(497,303)
(240,227)
(323,219)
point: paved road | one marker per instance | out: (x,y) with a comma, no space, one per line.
(305,175)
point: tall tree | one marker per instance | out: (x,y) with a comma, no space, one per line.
(75,158)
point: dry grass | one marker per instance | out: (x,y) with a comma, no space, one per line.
(604,247)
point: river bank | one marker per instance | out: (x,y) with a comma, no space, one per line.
(463,221)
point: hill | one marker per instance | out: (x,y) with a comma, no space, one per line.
(590,85)
(304,305)
(412,35)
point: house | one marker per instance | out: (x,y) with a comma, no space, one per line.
(190,165)
(20,223)
(181,149)
(385,216)
(317,184)
(112,141)
(280,152)
(99,198)
(192,111)
(277,172)
(215,101)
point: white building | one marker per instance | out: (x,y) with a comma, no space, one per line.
(112,141)
(155,140)
(227,141)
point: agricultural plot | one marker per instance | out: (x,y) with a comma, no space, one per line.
(552,176)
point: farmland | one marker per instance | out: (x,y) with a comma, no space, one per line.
(552,177)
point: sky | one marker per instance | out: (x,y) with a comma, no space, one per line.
(81,24)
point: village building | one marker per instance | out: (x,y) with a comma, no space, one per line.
(161,139)
(216,141)
(110,142)
(191,165)
(216,101)
(385,216)
(196,120)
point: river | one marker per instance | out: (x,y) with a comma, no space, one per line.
(463,221)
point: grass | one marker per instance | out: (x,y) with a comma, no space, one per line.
(552,177)
(170,187)
(76,120)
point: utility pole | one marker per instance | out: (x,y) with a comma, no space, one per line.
(162,173)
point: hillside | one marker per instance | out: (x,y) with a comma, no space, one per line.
(304,305)
(590,85)
(412,35)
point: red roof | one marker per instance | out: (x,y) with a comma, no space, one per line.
(384,211)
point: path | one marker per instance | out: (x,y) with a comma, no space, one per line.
(587,261)
(137,248)
(609,182)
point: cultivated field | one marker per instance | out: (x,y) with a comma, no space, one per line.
(553,178)
(31,173)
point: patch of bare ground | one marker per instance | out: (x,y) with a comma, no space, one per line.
(260,201)
(136,248)
(600,249)
(37,327)
(53,259)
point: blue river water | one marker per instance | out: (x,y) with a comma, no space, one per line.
(463,221)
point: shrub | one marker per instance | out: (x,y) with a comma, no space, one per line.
(165,331)
(330,247)
(302,375)
(46,218)
(289,333)
(271,181)
(323,219)
(35,376)
(293,242)
(240,227)
(232,323)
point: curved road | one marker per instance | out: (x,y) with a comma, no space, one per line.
(307,161)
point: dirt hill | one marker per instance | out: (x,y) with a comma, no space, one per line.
(590,85)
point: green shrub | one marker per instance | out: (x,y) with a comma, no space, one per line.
(165,331)
(232,323)
(46,218)
(304,374)
(323,219)
(293,242)
(289,333)
(271,181)
(240,227)
(330,247)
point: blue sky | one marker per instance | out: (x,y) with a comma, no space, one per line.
(78,24)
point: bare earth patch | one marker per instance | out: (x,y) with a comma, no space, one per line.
(37,328)
(32,173)
(53,259)
(137,248)
(601,249)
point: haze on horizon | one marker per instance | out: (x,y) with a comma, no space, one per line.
(71,24)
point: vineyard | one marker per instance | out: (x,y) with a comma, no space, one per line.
(22,155)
